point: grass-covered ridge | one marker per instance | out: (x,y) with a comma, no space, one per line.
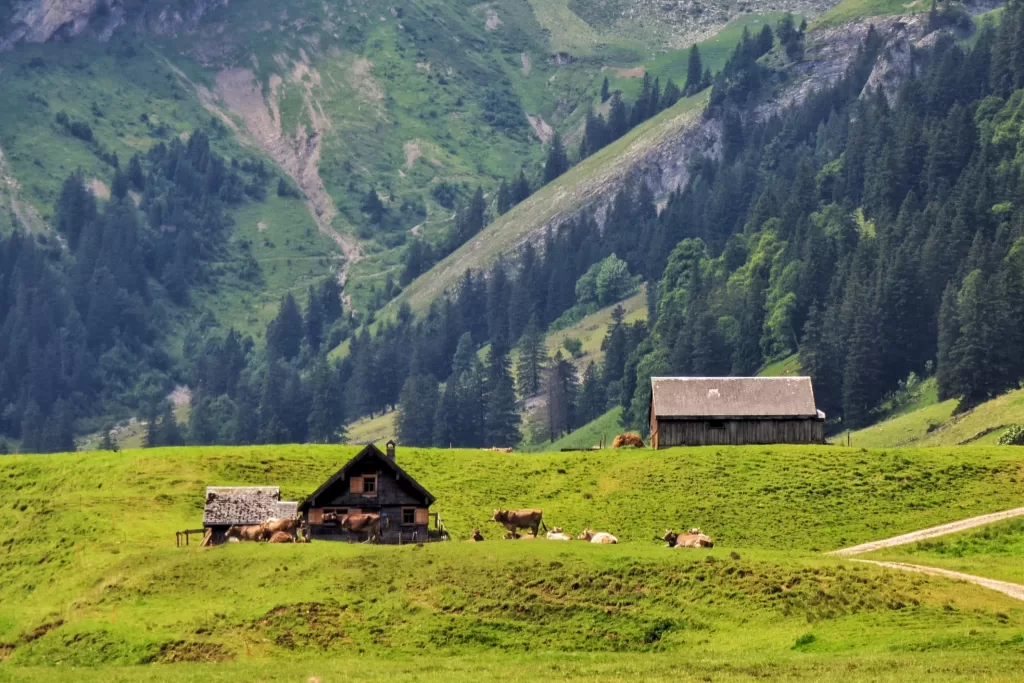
(91,576)
(934,423)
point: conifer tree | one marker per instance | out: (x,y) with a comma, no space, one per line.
(419,402)
(169,432)
(593,398)
(521,189)
(694,73)
(604,90)
(109,442)
(501,419)
(285,332)
(326,411)
(530,359)
(557,162)
(504,201)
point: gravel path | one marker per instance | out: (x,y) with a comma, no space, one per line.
(1014,590)
(913,537)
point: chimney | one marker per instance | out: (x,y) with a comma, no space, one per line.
(391,450)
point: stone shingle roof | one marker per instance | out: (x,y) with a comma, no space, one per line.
(245,505)
(723,397)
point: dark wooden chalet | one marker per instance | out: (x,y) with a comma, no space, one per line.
(732,411)
(371,482)
(228,506)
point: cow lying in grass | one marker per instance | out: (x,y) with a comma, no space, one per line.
(597,537)
(556,534)
(513,520)
(476,537)
(695,538)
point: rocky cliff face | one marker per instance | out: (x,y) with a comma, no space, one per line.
(38,21)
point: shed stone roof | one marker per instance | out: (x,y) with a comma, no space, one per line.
(725,397)
(227,505)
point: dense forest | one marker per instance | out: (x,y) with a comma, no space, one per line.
(877,233)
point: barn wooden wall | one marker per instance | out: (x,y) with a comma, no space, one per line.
(739,432)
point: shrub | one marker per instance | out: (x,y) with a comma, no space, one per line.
(805,639)
(574,346)
(1014,436)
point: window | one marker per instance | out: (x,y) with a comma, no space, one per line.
(716,424)
(370,486)
(408,516)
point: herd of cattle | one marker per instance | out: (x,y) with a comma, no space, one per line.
(287,530)
(533,520)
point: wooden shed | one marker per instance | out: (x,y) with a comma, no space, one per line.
(371,482)
(228,506)
(733,411)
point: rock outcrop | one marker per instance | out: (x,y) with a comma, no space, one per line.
(39,21)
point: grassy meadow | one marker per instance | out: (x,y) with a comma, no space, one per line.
(995,551)
(93,587)
(928,422)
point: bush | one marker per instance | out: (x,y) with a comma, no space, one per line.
(805,639)
(574,346)
(1014,436)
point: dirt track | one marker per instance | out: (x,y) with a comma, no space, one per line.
(1014,590)
(942,530)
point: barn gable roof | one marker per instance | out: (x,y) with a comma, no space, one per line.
(230,505)
(370,451)
(725,397)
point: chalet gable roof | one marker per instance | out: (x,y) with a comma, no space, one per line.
(242,505)
(369,451)
(725,397)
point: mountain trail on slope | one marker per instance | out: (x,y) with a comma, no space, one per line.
(932,532)
(1014,590)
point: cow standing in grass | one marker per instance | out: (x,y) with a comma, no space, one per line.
(252,532)
(368,523)
(513,520)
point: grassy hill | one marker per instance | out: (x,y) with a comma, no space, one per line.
(993,551)
(90,576)
(930,423)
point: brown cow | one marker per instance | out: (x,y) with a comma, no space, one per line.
(290,526)
(476,537)
(281,537)
(513,520)
(694,539)
(253,532)
(357,524)
(628,439)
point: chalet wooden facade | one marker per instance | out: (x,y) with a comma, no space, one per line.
(228,506)
(372,482)
(733,411)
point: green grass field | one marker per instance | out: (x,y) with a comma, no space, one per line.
(93,587)
(995,551)
(927,422)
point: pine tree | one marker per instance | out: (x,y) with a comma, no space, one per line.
(373,206)
(419,402)
(604,90)
(561,387)
(326,412)
(694,73)
(504,201)
(501,419)
(285,332)
(557,162)
(618,118)
(521,189)
(314,322)
(109,442)
(671,95)
(530,359)
(593,398)
(151,437)
(169,433)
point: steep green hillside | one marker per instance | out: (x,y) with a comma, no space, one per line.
(91,576)
(602,430)
(934,424)
(131,99)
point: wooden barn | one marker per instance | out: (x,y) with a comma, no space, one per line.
(228,506)
(372,482)
(733,411)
